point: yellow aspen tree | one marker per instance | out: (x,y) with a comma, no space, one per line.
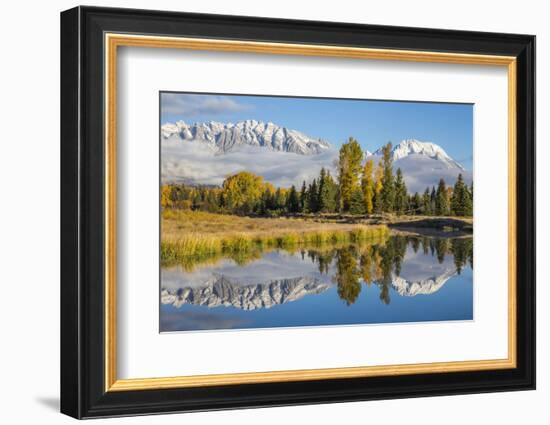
(367,185)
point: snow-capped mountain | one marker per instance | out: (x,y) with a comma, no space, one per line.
(416,147)
(207,152)
(225,291)
(227,137)
(426,286)
(423,164)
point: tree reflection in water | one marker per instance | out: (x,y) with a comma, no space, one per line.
(379,263)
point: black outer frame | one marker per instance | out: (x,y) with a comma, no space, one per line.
(82,212)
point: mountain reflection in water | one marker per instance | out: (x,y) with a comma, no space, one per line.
(403,279)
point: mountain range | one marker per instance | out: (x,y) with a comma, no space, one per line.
(205,153)
(411,147)
(220,290)
(426,286)
(226,137)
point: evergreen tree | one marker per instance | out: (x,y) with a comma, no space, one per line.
(322,176)
(441,200)
(357,203)
(267,202)
(322,182)
(332,194)
(327,192)
(457,198)
(293,201)
(367,186)
(415,205)
(313,197)
(449,192)
(349,168)
(426,202)
(279,200)
(400,196)
(461,201)
(388,190)
(468,203)
(433,196)
(303,198)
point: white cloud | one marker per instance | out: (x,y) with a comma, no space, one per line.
(420,172)
(273,266)
(190,105)
(194,162)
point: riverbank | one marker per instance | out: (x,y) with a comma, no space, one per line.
(194,233)
(449,226)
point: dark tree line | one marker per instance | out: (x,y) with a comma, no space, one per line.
(456,200)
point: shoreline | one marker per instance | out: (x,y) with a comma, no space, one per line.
(193,233)
(429,232)
(205,245)
(449,226)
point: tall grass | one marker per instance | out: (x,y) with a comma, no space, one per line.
(205,245)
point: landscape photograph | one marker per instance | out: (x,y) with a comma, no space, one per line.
(280,211)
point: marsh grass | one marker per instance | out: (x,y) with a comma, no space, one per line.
(189,235)
(190,263)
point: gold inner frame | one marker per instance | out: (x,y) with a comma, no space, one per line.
(113,41)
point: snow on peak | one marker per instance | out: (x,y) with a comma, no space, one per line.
(225,137)
(427,149)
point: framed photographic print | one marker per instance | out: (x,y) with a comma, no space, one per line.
(261,212)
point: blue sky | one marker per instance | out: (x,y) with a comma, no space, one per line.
(371,122)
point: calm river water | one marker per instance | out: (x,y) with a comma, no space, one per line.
(404,279)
